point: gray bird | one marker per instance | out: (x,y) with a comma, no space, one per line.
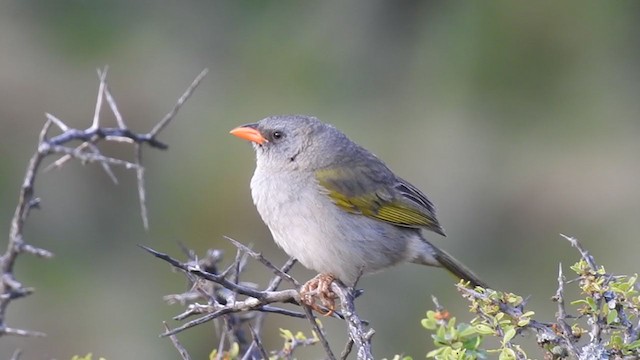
(336,207)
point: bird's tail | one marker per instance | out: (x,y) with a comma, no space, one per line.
(443,259)
(456,268)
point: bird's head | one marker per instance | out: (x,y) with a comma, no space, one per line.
(292,142)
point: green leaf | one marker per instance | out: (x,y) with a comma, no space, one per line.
(616,341)
(234,351)
(441,332)
(286,334)
(466,331)
(477,343)
(452,334)
(484,329)
(507,354)
(612,316)
(508,335)
(434,353)
(428,324)
(633,345)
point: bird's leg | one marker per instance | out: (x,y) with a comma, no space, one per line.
(319,288)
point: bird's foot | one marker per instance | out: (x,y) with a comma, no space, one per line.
(319,288)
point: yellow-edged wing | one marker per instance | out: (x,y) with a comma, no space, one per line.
(377,193)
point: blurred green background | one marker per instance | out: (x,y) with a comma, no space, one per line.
(519,119)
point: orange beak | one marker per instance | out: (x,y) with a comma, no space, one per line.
(248,132)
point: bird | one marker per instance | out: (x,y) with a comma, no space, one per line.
(336,207)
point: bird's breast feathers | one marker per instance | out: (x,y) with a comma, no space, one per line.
(308,225)
(299,217)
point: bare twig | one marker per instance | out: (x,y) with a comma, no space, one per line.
(596,321)
(276,310)
(167,118)
(264,261)
(357,332)
(561,316)
(112,104)
(85,157)
(436,303)
(20,332)
(257,343)
(220,344)
(240,306)
(181,350)
(96,114)
(16,354)
(285,296)
(10,288)
(88,151)
(59,123)
(319,332)
(142,194)
(347,349)
(273,285)
(583,252)
(275,282)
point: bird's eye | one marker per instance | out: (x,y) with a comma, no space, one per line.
(277,135)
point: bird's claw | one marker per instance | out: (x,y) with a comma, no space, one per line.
(319,288)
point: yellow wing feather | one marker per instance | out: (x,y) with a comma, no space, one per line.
(358,191)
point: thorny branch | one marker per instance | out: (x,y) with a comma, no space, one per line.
(243,305)
(544,332)
(606,313)
(561,317)
(358,333)
(88,151)
(174,339)
(596,322)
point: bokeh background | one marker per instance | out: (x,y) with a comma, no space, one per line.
(519,119)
